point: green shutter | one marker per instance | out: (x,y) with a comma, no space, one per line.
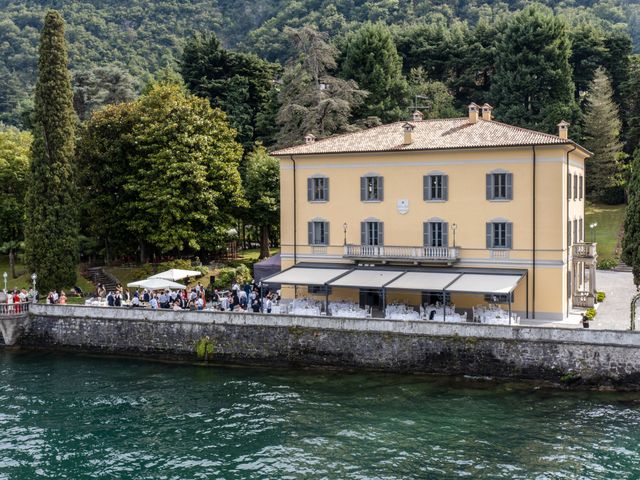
(363,233)
(326,189)
(425,234)
(380,232)
(489,235)
(363,189)
(309,189)
(310,224)
(509,227)
(509,178)
(381,188)
(445,187)
(445,234)
(489,186)
(426,194)
(325,240)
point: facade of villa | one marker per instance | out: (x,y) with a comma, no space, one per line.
(468,197)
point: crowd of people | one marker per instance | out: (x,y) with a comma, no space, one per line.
(15,297)
(247,298)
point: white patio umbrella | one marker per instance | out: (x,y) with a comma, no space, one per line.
(176,274)
(156,284)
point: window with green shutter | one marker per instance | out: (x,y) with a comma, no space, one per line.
(372,232)
(499,186)
(318,189)
(372,188)
(435,187)
(499,235)
(318,233)
(436,233)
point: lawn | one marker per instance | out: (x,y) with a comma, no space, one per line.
(254,253)
(24,276)
(609,219)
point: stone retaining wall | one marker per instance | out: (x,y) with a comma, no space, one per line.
(580,356)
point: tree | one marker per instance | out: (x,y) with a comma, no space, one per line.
(371,59)
(631,238)
(262,189)
(14,170)
(51,230)
(238,83)
(101,86)
(161,173)
(311,99)
(602,136)
(587,53)
(532,86)
(632,105)
(435,96)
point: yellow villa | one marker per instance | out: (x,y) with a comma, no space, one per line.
(467,211)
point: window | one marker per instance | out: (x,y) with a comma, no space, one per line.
(318,233)
(372,232)
(568,233)
(568,186)
(501,298)
(581,231)
(575,186)
(499,234)
(318,189)
(499,186)
(436,234)
(581,195)
(435,187)
(319,289)
(371,188)
(575,231)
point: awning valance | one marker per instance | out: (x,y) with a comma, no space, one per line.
(424,281)
(305,276)
(367,278)
(485,283)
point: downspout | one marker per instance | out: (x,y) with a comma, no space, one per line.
(567,220)
(533,232)
(295,214)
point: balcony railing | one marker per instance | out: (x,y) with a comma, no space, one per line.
(391,252)
(584,250)
(13,309)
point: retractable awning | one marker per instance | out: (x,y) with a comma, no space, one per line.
(485,283)
(305,276)
(424,281)
(367,278)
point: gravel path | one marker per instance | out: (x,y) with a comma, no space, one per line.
(614,312)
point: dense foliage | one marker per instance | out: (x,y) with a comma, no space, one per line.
(144,37)
(160,174)
(631,239)
(51,230)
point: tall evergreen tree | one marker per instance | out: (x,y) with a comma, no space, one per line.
(371,59)
(313,100)
(631,105)
(51,229)
(602,136)
(631,238)
(532,85)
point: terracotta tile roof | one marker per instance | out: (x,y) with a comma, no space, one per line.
(439,134)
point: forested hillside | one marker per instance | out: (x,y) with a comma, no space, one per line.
(141,37)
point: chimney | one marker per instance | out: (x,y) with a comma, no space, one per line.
(408,133)
(417,116)
(486,112)
(563,130)
(473,113)
(309,138)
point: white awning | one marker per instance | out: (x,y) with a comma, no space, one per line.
(423,281)
(485,283)
(305,276)
(367,278)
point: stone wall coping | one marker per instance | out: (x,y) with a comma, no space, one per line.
(422,327)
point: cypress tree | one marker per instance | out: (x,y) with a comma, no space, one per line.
(631,238)
(602,136)
(51,228)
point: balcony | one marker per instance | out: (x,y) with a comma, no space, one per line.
(439,255)
(584,250)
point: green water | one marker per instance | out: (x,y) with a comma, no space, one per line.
(79,418)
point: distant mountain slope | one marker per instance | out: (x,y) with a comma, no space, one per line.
(144,36)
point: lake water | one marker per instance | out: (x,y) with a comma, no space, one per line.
(81,417)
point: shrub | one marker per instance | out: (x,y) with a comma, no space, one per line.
(226,276)
(607,263)
(600,296)
(590,314)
